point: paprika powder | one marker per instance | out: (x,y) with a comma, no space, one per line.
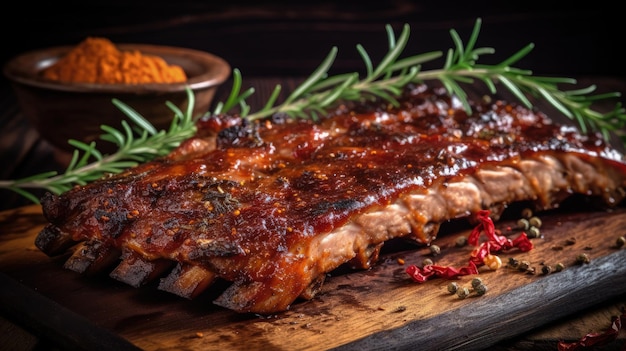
(98,60)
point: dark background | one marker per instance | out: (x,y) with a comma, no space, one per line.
(292,38)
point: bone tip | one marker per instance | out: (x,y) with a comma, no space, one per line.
(52,241)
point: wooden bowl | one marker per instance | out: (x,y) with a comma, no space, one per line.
(61,111)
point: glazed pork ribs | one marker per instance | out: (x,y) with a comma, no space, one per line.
(269,207)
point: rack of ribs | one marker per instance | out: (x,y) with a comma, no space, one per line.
(270,207)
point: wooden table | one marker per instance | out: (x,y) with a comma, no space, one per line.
(23,153)
(376,309)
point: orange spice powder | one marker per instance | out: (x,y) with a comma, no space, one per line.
(98,60)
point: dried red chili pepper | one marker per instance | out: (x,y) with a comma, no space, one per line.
(497,242)
(485,224)
(596,339)
(478,254)
(494,243)
(421,275)
(523,243)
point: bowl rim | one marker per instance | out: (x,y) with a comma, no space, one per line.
(19,68)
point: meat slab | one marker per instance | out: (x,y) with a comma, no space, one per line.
(269,207)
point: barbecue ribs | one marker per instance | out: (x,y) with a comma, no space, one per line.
(269,207)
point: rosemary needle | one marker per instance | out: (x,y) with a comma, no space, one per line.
(320,92)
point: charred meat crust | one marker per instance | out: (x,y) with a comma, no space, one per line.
(272,206)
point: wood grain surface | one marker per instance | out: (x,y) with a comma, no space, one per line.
(376,309)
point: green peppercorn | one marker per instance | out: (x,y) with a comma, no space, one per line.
(546,269)
(534,222)
(523,224)
(559,267)
(476,282)
(463,293)
(480,289)
(533,232)
(453,287)
(461,241)
(583,258)
(427,262)
(620,241)
(527,213)
(435,250)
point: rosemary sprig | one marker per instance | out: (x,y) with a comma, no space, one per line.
(321,91)
(136,144)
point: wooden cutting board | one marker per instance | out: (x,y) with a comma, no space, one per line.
(380,308)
